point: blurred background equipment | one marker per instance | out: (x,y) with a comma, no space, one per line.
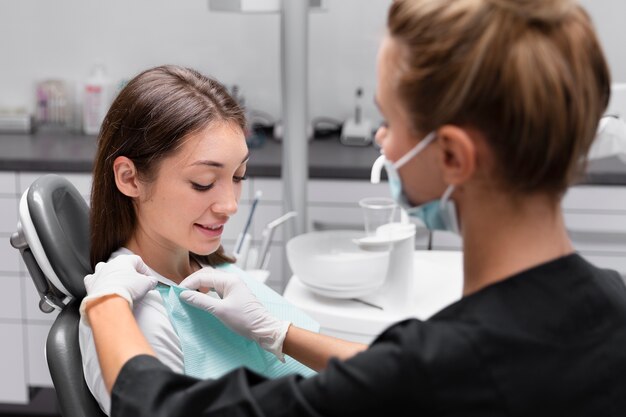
(53,103)
(16,121)
(357,130)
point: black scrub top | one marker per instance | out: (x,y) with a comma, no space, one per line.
(549,341)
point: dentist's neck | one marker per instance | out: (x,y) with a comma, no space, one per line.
(503,236)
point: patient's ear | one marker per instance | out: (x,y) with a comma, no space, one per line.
(126,176)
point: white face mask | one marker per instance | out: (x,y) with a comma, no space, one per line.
(436,214)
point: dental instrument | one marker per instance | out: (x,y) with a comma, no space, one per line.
(267,235)
(242,245)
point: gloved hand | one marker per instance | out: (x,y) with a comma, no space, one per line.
(125,275)
(238,308)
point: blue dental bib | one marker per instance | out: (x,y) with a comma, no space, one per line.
(210,349)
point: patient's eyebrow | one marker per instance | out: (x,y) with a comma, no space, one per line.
(209,163)
(219,164)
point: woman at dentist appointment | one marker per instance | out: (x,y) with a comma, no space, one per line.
(490,107)
(168,174)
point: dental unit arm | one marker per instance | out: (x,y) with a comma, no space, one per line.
(268,233)
(398,290)
(377,167)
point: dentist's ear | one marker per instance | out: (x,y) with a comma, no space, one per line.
(458,154)
(126,176)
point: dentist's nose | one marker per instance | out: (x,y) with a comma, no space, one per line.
(380,135)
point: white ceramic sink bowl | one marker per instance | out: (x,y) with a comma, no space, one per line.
(331,260)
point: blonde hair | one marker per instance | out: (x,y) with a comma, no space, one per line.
(529,74)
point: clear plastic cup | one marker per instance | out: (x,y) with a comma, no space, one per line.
(376,212)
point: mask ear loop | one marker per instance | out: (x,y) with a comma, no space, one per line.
(416,149)
(449,209)
(446,194)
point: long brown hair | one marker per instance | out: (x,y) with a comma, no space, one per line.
(147,122)
(529,74)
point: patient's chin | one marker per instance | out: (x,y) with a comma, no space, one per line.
(202,250)
(206,250)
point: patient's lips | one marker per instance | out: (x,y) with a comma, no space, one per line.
(214,230)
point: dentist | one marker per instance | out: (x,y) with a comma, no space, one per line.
(491,107)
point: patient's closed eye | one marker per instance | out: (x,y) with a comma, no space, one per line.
(200,187)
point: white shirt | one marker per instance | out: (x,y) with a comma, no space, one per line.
(155,324)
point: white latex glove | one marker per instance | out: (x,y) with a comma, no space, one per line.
(238,308)
(125,275)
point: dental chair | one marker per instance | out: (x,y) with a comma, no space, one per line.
(53,239)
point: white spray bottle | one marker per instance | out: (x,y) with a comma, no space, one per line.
(96,100)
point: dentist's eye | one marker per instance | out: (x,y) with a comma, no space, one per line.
(200,187)
(239,178)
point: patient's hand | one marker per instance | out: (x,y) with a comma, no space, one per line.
(238,308)
(125,276)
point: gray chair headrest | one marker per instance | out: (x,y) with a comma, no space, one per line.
(61,217)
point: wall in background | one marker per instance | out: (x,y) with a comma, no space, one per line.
(65,38)
(608,18)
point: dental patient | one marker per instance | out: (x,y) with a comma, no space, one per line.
(167,176)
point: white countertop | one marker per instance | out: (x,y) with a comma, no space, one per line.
(438,283)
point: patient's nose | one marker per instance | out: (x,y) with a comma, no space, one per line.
(227,203)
